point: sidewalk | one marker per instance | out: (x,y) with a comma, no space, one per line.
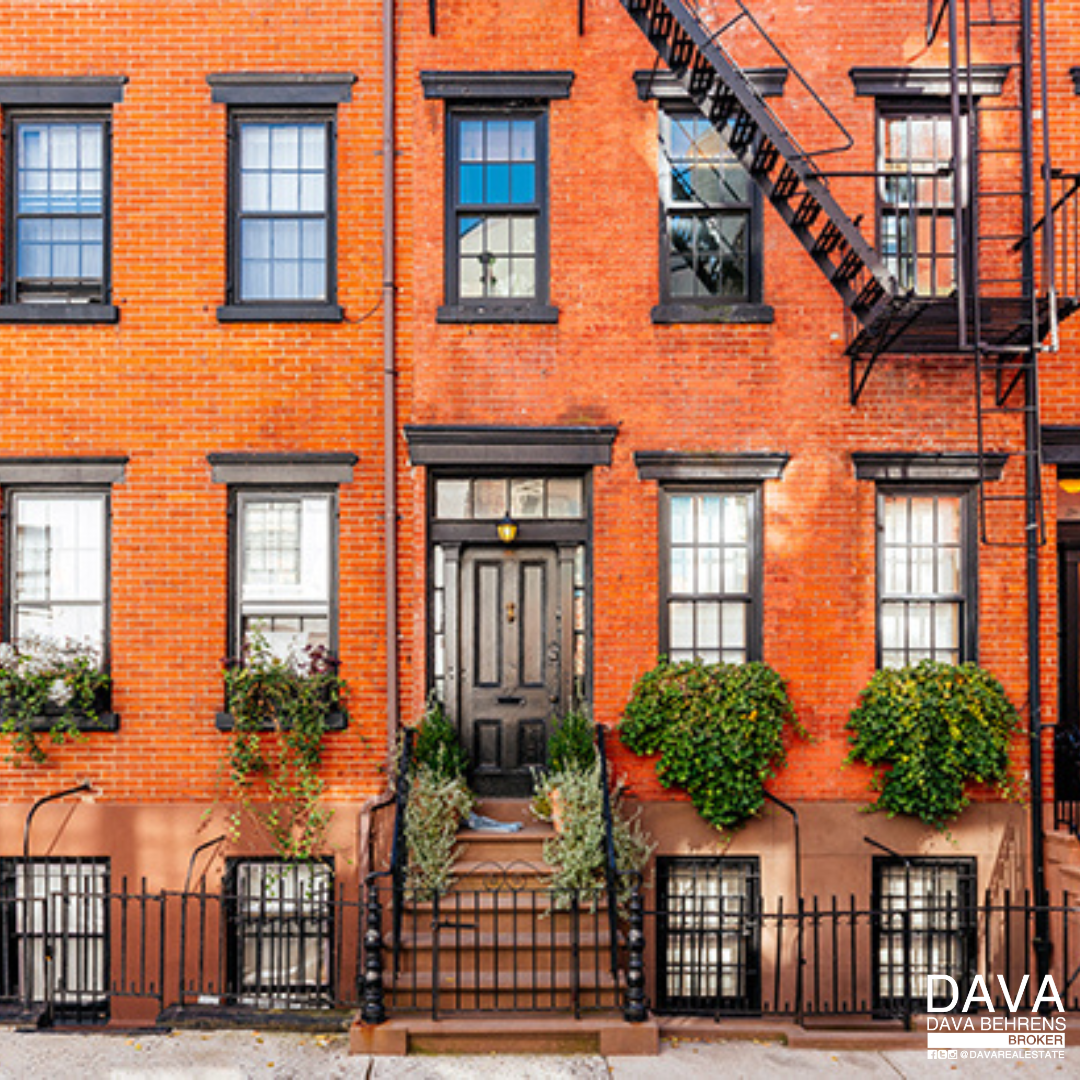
(244,1055)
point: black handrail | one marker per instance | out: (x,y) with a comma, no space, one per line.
(399,852)
(611,871)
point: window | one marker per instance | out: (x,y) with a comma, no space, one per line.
(917,203)
(497,208)
(937,936)
(708,934)
(285,569)
(58,198)
(280,934)
(925,577)
(54,932)
(499,215)
(58,568)
(710,243)
(710,574)
(282,195)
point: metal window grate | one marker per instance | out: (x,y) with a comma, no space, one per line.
(708,935)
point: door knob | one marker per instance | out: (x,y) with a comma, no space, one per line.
(511,612)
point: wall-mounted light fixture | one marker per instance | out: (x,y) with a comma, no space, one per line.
(507,529)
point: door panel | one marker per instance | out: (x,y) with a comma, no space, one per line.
(511,663)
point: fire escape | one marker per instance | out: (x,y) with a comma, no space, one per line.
(1011,278)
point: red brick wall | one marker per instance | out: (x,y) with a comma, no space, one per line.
(169,384)
(780,387)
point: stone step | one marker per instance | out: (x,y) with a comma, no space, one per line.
(604,1033)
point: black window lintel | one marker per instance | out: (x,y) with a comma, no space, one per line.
(987,80)
(668,466)
(281,88)
(893,467)
(79,91)
(62,470)
(282,468)
(502,446)
(497,85)
(656,85)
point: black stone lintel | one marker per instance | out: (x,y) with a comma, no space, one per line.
(79,91)
(486,446)
(661,85)
(281,88)
(497,85)
(311,467)
(988,80)
(709,466)
(943,468)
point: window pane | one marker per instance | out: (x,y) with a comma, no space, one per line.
(527,498)
(736,570)
(682,570)
(452,499)
(681,628)
(708,569)
(708,626)
(489,499)
(734,626)
(565,498)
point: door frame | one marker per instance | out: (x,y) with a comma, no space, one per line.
(565,535)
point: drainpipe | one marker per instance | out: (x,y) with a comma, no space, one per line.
(389,289)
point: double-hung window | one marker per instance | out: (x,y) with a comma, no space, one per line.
(285,568)
(925,924)
(925,546)
(58,199)
(710,576)
(282,242)
(497,203)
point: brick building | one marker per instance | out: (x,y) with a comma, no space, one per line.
(721,428)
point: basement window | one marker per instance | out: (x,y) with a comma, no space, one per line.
(280,934)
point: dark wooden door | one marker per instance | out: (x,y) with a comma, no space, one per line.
(1067,731)
(511,663)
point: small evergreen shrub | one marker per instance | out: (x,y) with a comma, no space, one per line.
(928,731)
(572,743)
(436,744)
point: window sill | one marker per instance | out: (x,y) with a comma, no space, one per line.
(673,314)
(497,313)
(336,721)
(59,313)
(284,312)
(108,721)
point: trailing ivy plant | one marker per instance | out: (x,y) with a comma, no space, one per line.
(279,708)
(43,680)
(930,730)
(439,800)
(719,729)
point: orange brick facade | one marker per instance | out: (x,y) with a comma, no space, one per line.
(170,384)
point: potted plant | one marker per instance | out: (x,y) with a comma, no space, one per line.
(52,689)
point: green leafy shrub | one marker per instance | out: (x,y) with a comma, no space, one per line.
(719,730)
(436,744)
(279,708)
(928,731)
(42,680)
(439,800)
(572,742)
(577,853)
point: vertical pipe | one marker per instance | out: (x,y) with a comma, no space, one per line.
(389,289)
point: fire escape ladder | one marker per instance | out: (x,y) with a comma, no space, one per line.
(784,171)
(1003,320)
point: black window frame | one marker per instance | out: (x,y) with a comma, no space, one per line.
(77,302)
(964,934)
(746,930)
(236,308)
(239,494)
(957,209)
(967,599)
(91,1005)
(536,308)
(747,308)
(753,598)
(277,995)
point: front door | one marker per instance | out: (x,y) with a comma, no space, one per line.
(1067,731)
(513,661)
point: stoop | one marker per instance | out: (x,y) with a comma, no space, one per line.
(485,1034)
